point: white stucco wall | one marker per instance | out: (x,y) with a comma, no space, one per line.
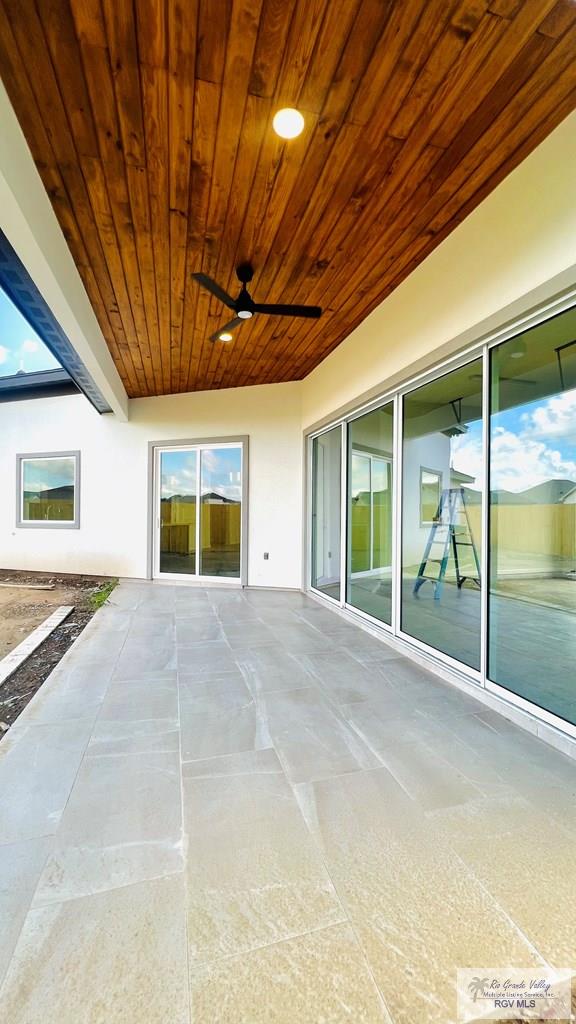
(112,538)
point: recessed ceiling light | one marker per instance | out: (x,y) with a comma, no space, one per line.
(225,336)
(288,123)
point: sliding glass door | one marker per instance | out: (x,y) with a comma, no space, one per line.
(457,500)
(370,506)
(326,512)
(441,513)
(199,511)
(532,604)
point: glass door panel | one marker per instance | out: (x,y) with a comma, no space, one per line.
(441,513)
(178,487)
(326,484)
(220,511)
(369,582)
(532,600)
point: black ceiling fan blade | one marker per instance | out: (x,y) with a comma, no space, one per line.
(227,327)
(215,289)
(279,310)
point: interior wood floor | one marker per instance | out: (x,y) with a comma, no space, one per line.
(150,124)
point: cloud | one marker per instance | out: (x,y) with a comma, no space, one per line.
(466,457)
(524,459)
(519,461)
(555,418)
(30,345)
(4,354)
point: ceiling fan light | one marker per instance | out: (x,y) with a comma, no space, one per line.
(225,336)
(288,123)
(244,314)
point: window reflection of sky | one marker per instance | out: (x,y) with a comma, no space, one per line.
(531,443)
(221,472)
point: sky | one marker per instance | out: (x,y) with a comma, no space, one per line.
(220,472)
(42,474)
(20,346)
(531,443)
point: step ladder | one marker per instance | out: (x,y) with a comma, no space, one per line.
(450,532)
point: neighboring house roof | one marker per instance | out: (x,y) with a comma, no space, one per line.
(569,496)
(550,492)
(212,497)
(461,478)
(51,494)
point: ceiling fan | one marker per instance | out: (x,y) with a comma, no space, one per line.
(244,306)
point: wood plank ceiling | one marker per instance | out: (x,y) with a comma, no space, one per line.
(150,124)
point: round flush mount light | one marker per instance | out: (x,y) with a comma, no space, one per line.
(519,350)
(244,314)
(288,123)
(225,336)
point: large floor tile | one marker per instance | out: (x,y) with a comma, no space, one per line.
(419,912)
(319,978)
(122,824)
(268,668)
(254,875)
(133,736)
(217,693)
(230,730)
(38,765)
(194,630)
(145,656)
(107,959)
(311,739)
(151,697)
(531,871)
(206,659)
(20,868)
(344,679)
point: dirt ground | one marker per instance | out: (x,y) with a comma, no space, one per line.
(21,610)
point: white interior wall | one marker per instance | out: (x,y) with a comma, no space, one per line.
(112,538)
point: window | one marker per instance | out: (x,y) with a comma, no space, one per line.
(441,513)
(532,600)
(430,491)
(369,578)
(472,553)
(48,490)
(326,482)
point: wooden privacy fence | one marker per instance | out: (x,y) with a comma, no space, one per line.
(219,526)
(530,529)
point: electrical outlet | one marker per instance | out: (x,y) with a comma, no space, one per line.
(266,556)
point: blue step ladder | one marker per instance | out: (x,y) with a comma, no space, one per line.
(450,531)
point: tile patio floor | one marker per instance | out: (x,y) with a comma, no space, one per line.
(235,807)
